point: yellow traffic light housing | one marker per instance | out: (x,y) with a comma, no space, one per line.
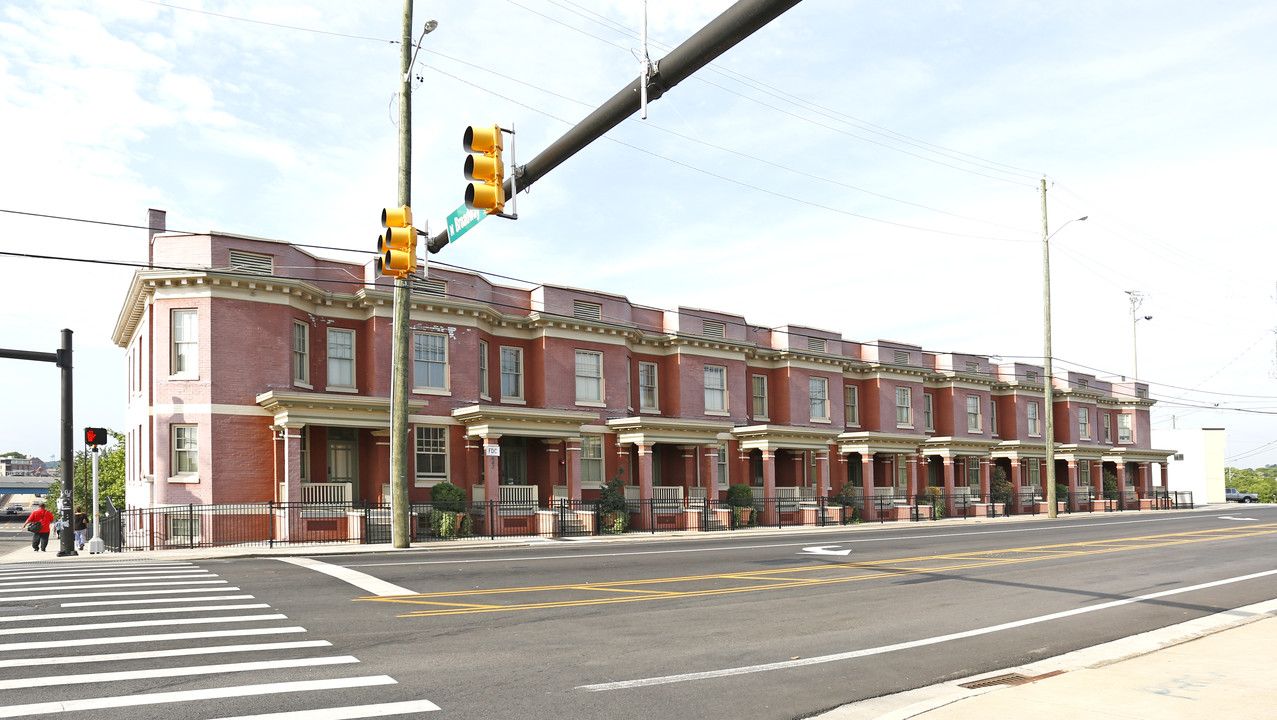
(397,247)
(485,168)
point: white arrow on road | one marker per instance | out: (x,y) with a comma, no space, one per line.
(1230,517)
(824,550)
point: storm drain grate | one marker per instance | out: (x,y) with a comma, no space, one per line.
(1008,679)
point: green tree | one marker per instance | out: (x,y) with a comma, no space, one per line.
(110,476)
(1261,481)
(13,454)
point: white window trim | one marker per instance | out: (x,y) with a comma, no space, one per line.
(193,373)
(302,382)
(176,476)
(1130,429)
(1084,428)
(485,373)
(601,400)
(853,418)
(420,389)
(655,386)
(421,479)
(928,412)
(726,410)
(825,400)
(765,416)
(353,387)
(979,415)
(908,407)
(1031,419)
(514,399)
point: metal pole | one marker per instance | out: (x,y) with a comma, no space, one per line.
(1048,391)
(399,367)
(96,545)
(66,537)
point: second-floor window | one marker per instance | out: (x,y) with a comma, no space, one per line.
(758,389)
(904,407)
(647,386)
(993,417)
(483,369)
(589,376)
(301,353)
(715,389)
(928,412)
(1035,428)
(818,395)
(429,361)
(1084,423)
(341,358)
(1124,434)
(511,373)
(851,399)
(973,413)
(186,339)
(1108,428)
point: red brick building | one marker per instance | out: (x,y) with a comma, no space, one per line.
(262,372)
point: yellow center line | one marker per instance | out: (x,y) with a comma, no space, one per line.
(786,578)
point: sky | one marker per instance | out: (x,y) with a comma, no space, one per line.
(868,168)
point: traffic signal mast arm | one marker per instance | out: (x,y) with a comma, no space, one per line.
(721,34)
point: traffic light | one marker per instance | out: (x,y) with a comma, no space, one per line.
(488,193)
(95,437)
(397,246)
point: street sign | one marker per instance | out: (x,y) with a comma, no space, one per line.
(461,220)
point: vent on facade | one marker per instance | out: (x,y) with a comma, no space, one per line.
(587,310)
(1030,376)
(902,357)
(429,286)
(817,344)
(713,329)
(1082,384)
(248,262)
(1141,393)
(1179,457)
(973,367)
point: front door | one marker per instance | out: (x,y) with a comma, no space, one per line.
(514,461)
(343,459)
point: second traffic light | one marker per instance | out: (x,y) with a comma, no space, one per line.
(397,247)
(485,167)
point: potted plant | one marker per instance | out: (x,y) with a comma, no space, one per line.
(612,510)
(847,496)
(935,496)
(448,516)
(741,499)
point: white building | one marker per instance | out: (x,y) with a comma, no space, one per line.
(1198,467)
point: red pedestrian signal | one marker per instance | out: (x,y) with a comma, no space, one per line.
(95,437)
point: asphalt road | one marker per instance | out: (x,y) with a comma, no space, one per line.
(724,626)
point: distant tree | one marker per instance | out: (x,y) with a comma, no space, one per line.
(13,455)
(1262,481)
(110,476)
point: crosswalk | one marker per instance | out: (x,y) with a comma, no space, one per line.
(134,640)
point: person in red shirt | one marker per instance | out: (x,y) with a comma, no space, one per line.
(40,539)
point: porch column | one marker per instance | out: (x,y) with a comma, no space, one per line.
(986,478)
(645,484)
(556,459)
(689,468)
(1121,484)
(292,452)
(948,486)
(1141,478)
(572,466)
(711,475)
(914,483)
(1165,475)
(769,487)
(1072,480)
(1017,477)
(867,485)
(822,474)
(492,468)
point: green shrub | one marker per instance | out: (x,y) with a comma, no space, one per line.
(611,510)
(448,497)
(740,496)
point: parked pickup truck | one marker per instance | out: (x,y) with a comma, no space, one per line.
(1234,495)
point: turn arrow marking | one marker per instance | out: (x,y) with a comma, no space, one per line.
(823,550)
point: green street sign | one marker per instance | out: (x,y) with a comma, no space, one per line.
(461,220)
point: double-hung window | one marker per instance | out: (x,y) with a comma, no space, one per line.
(429,361)
(186,337)
(511,373)
(715,389)
(851,400)
(1084,473)
(818,397)
(301,353)
(973,472)
(432,455)
(973,413)
(904,407)
(483,369)
(589,376)
(647,386)
(341,358)
(1035,427)
(186,450)
(758,391)
(1108,428)
(591,459)
(1084,423)
(1124,434)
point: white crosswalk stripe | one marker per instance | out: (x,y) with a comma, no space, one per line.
(48,665)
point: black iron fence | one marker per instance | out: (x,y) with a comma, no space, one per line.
(271,523)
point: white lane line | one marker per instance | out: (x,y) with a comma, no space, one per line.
(139,623)
(46,596)
(141,611)
(103,703)
(161,637)
(151,601)
(121,585)
(353,712)
(784,665)
(168,672)
(55,583)
(98,571)
(363,581)
(154,654)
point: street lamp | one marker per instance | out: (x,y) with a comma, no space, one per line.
(1048,390)
(1137,299)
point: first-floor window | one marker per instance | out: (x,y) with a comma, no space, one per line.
(715,388)
(432,453)
(1034,474)
(818,395)
(591,459)
(186,452)
(973,472)
(1084,474)
(722,464)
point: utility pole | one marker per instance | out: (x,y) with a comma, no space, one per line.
(1049,381)
(399,526)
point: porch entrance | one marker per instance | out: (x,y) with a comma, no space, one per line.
(343,459)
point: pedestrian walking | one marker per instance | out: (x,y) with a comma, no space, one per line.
(44,518)
(81,526)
